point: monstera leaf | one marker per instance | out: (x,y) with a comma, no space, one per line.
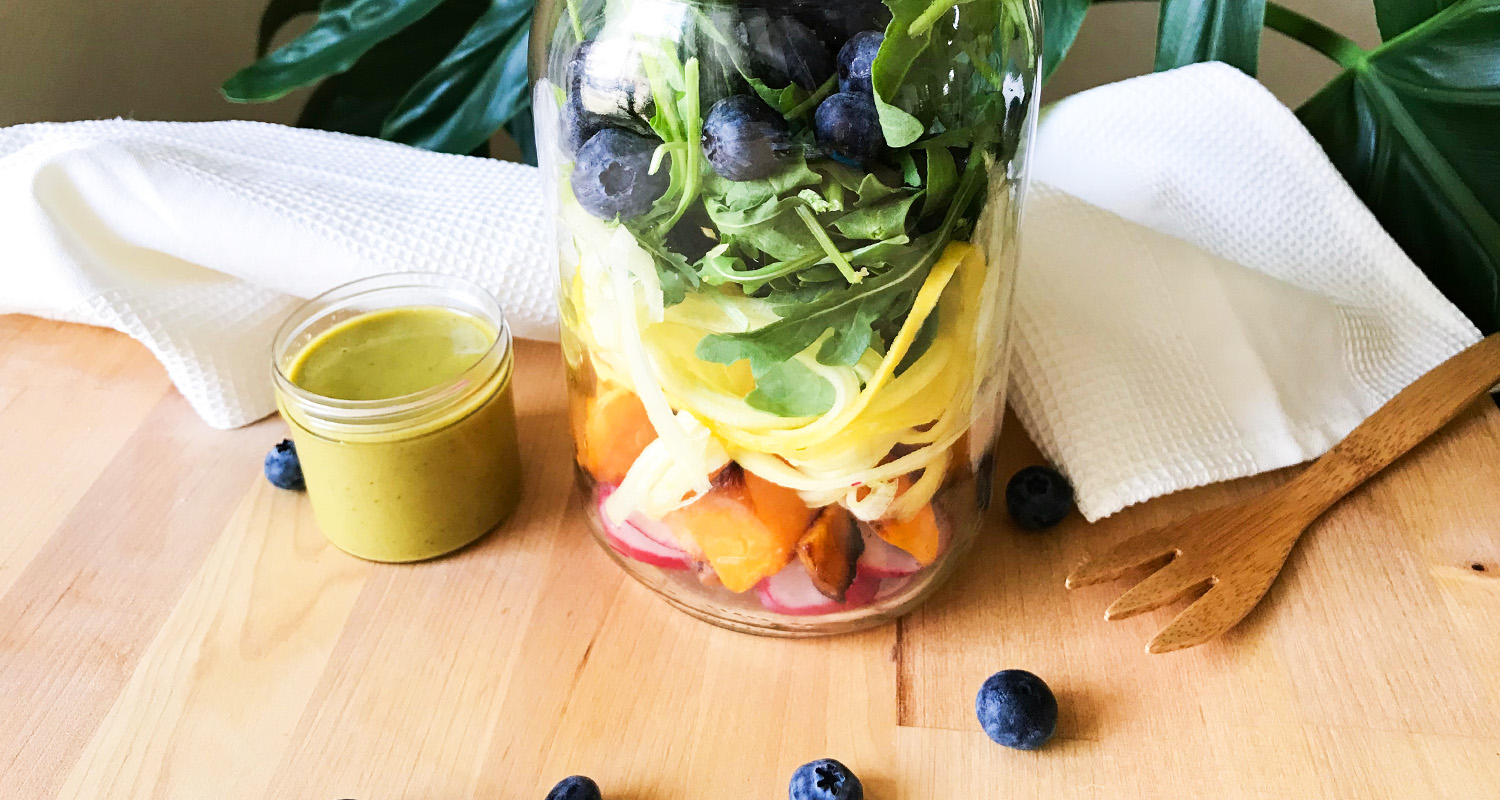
(1060,22)
(1414,126)
(474,91)
(1190,31)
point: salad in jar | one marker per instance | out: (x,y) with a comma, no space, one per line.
(787,244)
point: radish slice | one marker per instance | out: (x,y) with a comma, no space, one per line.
(881,559)
(791,592)
(631,542)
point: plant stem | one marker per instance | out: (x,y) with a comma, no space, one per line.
(815,98)
(838,259)
(1316,35)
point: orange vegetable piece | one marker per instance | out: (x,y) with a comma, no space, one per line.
(746,526)
(830,550)
(615,429)
(920,536)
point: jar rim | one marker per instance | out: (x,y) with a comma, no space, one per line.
(454,293)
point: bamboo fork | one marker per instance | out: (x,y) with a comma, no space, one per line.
(1237,550)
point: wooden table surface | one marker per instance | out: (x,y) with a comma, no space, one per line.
(173,627)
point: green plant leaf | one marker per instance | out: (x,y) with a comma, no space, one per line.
(276,14)
(790,389)
(345,30)
(942,176)
(473,92)
(359,99)
(1413,128)
(1396,17)
(1190,31)
(877,221)
(1061,20)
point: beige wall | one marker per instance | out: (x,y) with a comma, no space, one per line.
(163,59)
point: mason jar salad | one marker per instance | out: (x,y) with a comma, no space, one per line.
(786,233)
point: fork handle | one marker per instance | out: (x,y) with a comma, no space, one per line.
(1405,421)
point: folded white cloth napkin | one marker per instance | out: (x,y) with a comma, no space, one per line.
(1201,297)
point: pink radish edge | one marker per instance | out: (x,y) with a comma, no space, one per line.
(791,592)
(631,541)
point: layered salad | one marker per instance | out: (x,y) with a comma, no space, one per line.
(786,242)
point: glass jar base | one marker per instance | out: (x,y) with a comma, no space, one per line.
(683,591)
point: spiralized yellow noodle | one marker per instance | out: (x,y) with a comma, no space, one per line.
(833,457)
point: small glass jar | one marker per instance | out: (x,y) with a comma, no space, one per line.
(787,240)
(397,391)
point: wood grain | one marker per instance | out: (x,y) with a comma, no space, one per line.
(171,627)
(1226,558)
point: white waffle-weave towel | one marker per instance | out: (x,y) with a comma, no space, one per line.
(1201,296)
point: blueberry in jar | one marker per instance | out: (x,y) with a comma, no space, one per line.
(744,139)
(783,51)
(856,58)
(606,85)
(1038,498)
(848,127)
(612,176)
(1017,709)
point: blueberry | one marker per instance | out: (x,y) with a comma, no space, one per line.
(848,127)
(782,50)
(283,468)
(825,779)
(744,138)
(612,177)
(605,86)
(855,59)
(1038,497)
(575,787)
(1017,709)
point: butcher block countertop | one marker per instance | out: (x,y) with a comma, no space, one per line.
(171,626)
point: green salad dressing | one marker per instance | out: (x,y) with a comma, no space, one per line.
(385,354)
(419,485)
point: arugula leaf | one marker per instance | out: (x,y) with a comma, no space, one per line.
(790,389)
(772,227)
(942,175)
(926,54)
(1190,31)
(920,343)
(1412,125)
(850,313)
(742,195)
(877,220)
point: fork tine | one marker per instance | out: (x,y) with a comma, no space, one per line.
(1220,609)
(1128,555)
(1163,587)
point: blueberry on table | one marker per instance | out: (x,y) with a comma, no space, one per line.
(283,469)
(744,138)
(856,58)
(825,779)
(1038,498)
(1016,709)
(612,175)
(848,127)
(575,787)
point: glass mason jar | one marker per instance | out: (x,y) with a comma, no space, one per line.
(397,392)
(787,238)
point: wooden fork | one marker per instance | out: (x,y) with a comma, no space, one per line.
(1237,550)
